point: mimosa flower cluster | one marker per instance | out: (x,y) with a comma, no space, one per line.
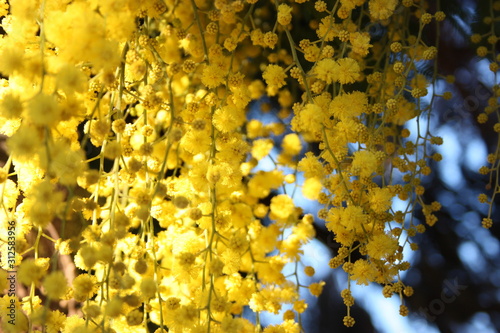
(490,116)
(133,175)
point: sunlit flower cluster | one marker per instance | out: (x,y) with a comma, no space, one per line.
(134,178)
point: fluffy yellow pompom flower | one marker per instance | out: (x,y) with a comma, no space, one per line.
(74,323)
(382,9)
(10,192)
(311,166)
(84,286)
(353,217)
(327,70)
(316,288)
(380,199)
(348,71)
(312,188)
(364,163)
(363,272)
(213,76)
(254,128)
(43,203)
(11,106)
(148,287)
(311,118)
(381,246)
(55,321)
(71,80)
(349,105)
(262,183)
(284,14)
(24,143)
(261,148)
(300,306)
(55,285)
(360,43)
(114,307)
(275,76)
(12,61)
(65,163)
(43,110)
(282,206)
(31,271)
(228,118)
(291,144)
(351,4)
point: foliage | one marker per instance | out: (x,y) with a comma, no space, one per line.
(134,195)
